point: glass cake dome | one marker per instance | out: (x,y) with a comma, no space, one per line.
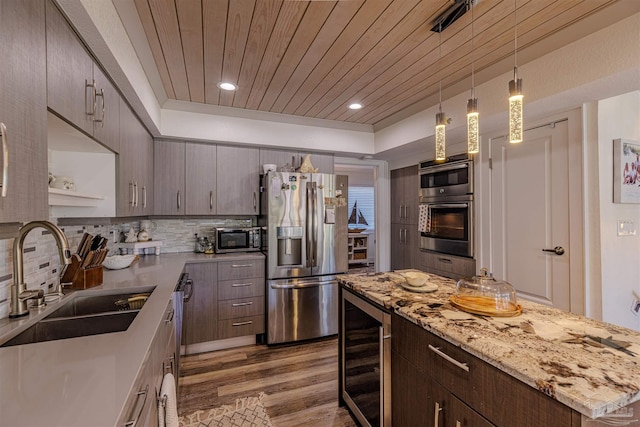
(485,295)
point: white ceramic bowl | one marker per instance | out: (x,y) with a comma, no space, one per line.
(415,279)
(117,262)
(269,167)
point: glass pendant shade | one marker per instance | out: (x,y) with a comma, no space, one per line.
(473,137)
(515,110)
(440,136)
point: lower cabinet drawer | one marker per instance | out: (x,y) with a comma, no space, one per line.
(240,269)
(239,327)
(240,288)
(242,307)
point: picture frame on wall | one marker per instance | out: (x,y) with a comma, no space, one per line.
(626,171)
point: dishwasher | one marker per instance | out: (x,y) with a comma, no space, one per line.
(365,360)
(181,294)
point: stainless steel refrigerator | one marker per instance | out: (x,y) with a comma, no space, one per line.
(306,244)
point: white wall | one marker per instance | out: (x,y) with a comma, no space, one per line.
(618,117)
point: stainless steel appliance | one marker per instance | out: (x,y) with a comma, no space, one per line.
(182,293)
(306,245)
(237,240)
(446,222)
(365,385)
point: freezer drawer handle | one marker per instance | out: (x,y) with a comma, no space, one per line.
(242,323)
(448,358)
(302,285)
(241,304)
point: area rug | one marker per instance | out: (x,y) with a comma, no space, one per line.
(247,412)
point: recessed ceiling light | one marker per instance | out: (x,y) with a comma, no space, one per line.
(227,86)
(355,106)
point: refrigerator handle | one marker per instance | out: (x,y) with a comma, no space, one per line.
(309,237)
(314,191)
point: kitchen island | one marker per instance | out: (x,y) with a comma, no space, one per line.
(88,381)
(590,367)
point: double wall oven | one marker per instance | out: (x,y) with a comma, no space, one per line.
(446,206)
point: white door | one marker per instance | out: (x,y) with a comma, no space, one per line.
(530,214)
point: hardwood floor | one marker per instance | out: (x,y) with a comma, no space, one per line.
(300,382)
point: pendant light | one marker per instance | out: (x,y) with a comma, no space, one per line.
(473,121)
(441,119)
(515,92)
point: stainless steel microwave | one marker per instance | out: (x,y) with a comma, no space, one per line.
(237,239)
(454,177)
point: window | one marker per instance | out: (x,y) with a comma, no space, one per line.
(363,198)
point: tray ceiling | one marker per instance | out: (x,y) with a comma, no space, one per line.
(313,58)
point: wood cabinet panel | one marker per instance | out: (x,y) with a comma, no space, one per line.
(240,327)
(106,128)
(404,195)
(241,269)
(451,266)
(412,394)
(242,288)
(200,187)
(238,178)
(69,71)
(200,319)
(404,246)
(500,398)
(23,109)
(169,177)
(241,307)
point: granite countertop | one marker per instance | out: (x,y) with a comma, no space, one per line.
(85,381)
(556,352)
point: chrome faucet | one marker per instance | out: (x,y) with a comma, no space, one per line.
(19,292)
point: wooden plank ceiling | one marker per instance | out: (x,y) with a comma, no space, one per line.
(313,58)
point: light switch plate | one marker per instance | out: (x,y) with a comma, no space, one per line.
(626,228)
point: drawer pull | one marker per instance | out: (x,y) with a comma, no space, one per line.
(445,260)
(241,304)
(239,285)
(241,265)
(448,358)
(436,417)
(144,394)
(242,323)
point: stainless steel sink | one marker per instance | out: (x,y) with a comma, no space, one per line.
(72,327)
(84,315)
(84,305)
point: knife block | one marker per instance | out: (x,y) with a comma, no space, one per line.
(87,278)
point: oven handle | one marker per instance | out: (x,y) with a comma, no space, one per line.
(448,167)
(447,205)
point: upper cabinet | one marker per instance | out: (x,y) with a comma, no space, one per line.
(169,177)
(201,180)
(238,174)
(23,111)
(76,88)
(280,158)
(135,166)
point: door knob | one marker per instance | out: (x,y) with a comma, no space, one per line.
(558,250)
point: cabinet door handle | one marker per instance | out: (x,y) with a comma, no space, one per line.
(242,323)
(91,112)
(436,416)
(5,160)
(405,236)
(448,358)
(400,211)
(101,95)
(135,194)
(445,260)
(132,194)
(210,200)
(139,407)
(187,294)
(241,304)
(406,214)
(241,265)
(400,237)
(144,197)
(239,285)
(178,201)
(255,203)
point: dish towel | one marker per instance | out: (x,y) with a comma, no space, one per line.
(424,219)
(167,403)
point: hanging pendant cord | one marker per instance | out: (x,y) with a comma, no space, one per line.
(515,38)
(440,66)
(473,82)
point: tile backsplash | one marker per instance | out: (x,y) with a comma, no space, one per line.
(42,262)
